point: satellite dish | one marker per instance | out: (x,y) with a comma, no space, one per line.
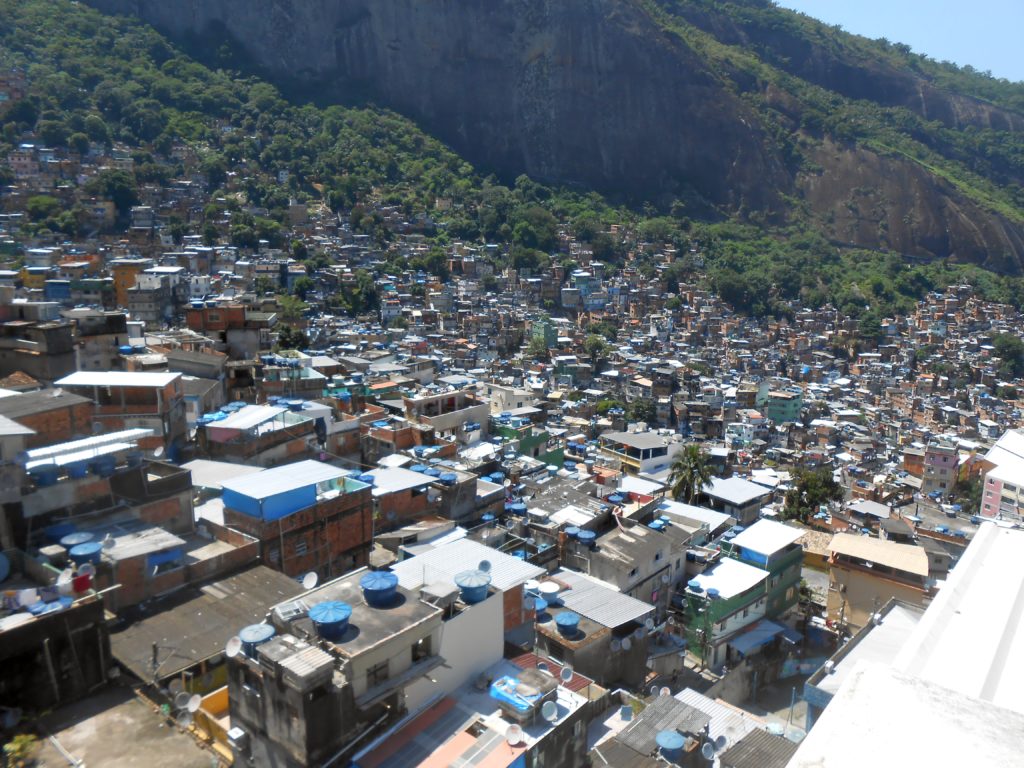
(566,674)
(85,569)
(485,566)
(233,647)
(58,392)
(97,427)
(175,686)
(549,711)
(708,750)
(671,621)
(310,580)
(626,643)
(5,566)
(665,691)
(665,578)
(181,699)
(616,645)
(510,524)
(654,690)
(513,735)
(639,634)
(158,452)
(184,720)
(109,542)
(720,742)
(649,623)
(194,702)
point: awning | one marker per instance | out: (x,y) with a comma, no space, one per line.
(761,634)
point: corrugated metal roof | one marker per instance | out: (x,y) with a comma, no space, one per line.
(10,428)
(758,749)
(442,563)
(248,417)
(903,557)
(117,379)
(124,436)
(662,713)
(287,477)
(726,721)
(599,602)
(212,474)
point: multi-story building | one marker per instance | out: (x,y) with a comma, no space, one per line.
(308,515)
(940,468)
(865,573)
(640,452)
(773,547)
(1003,478)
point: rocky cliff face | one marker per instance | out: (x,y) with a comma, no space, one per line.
(596,93)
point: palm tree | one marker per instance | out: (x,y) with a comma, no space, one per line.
(690,473)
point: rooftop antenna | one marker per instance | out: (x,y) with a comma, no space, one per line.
(310,580)
(233,647)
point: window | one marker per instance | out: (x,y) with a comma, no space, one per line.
(746,612)
(301,547)
(633,572)
(421,650)
(376,674)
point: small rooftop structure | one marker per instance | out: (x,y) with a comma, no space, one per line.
(396,479)
(441,563)
(277,492)
(767,537)
(117,379)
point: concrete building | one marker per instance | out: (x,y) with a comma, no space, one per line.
(641,452)
(773,547)
(738,498)
(309,516)
(1003,478)
(865,573)
(940,468)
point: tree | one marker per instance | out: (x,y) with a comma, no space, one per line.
(78,143)
(537,348)
(690,472)
(811,489)
(643,410)
(291,338)
(1010,351)
(302,286)
(117,186)
(290,308)
(41,207)
(595,346)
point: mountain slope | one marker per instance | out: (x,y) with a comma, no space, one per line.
(742,105)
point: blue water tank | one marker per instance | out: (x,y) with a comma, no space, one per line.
(615,498)
(45,475)
(671,744)
(713,593)
(572,531)
(569,465)
(568,623)
(695,585)
(77,469)
(133,458)
(473,585)
(86,553)
(103,465)
(367,478)
(432,472)
(295,405)
(539,604)
(379,588)
(254,636)
(488,518)
(58,531)
(274,399)
(74,539)
(419,468)
(125,349)
(331,619)
(552,470)
(517,508)
(496,477)
(448,478)
(657,525)
(587,538)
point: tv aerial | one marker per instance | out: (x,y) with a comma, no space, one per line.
(233,647)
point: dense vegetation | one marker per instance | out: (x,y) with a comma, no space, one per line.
(93,79)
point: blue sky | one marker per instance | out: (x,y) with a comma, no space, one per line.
(987,34)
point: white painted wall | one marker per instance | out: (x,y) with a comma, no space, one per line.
(471,642)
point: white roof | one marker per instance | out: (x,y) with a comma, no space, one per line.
(888,718)
(873,508)
(10,428)
(440,564)
(212,474)
(731,577)
(117,379)
(634,484)
(248,417)
(1008,451)
(394,479)
(767,537)
(729,722)
(394,460)
(572,515)
(735,490)
(978,608)
(713,519)
(598,601)
(287,477)
(89,443)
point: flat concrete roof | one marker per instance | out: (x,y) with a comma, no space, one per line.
(117,379)
(212,474)
(884,717)
(969,639)
(731,577)
(767,537)
(287,477)
(901,557)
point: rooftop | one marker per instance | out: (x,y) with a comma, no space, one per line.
(639,440)
(441,563)
(598,601)
(19,405)
(289,477)
(731,577)
(901,557)
(396,479)
(767,537)
(212,474)
(979,607)
(735,490)
(117,379)
(194,624)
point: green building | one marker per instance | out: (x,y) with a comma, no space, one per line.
(773,547)
(546,331)
(783,405)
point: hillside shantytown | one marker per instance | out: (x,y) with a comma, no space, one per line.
(294,478)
